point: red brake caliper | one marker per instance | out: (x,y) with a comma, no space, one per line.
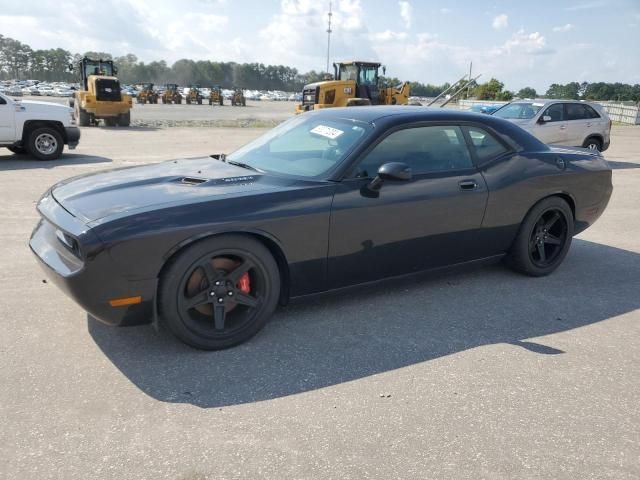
(244,284)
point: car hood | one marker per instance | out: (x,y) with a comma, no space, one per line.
(98,195)
(34,105)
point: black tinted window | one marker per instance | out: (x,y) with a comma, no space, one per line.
(577,111)
(556,112)
(591,112)
(424,149)
(486,145)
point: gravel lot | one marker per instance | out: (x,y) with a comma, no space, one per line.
(484,374)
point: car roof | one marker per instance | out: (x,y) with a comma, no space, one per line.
(547,101)
(390,116)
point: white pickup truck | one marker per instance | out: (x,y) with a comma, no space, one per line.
(39,128)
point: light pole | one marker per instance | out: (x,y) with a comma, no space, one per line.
(329,35)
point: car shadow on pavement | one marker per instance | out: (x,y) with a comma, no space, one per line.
(615,165)
(341,338)
(27,162)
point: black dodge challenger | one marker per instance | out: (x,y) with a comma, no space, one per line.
(328,199)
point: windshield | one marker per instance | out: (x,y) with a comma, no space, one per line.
(349,72)
(302,146)
(519,110)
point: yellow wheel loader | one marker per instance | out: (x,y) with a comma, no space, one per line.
(238,99)
(194,95)
(100,97)
(171,94)
(146,93)
(215,97)
(355,84)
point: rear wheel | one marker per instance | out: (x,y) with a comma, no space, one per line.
(45,143)
(124,119)
(219,292)
(544,238)
(593,143)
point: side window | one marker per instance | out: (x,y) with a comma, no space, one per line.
(556,112)
(591,112)
(424,149)
(486,145)
(576,111)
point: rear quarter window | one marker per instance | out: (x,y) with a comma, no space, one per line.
(486,146)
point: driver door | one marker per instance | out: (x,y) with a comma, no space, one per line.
(409,226)
(7,122)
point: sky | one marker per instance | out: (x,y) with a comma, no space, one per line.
(521,43)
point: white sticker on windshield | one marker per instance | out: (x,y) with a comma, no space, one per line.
(328,132)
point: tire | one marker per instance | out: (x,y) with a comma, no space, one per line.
(45,143)
(164,100)
(221,101)
(83,117)
(544,238)
(18,150)
(199,101)
(188,101)
(184,281)
(124,119)
(593,143)
(111,121)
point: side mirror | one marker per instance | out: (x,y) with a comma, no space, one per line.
(390,171)
(544,119)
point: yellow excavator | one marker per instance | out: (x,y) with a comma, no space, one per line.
(355,84)
(100,97)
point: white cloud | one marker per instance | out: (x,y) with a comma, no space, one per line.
(500,22)
(406,13)
(563,28)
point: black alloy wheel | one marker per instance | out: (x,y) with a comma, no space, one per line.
(215,296)
(543,239)
(547,238)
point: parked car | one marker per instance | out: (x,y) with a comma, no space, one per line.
(46,90)
(41,129)
(561,122)
(13,91)
(326,200)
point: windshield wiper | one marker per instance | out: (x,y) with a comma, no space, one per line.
(244,165)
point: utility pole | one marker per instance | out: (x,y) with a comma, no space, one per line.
(329,35)
(469,86)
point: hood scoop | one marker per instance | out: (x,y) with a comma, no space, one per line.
(192,180)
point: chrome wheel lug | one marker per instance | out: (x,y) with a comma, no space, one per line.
(213,294)
(230,294)
(220,300)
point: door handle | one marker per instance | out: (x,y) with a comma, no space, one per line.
(468,185)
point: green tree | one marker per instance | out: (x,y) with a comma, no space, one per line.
(527,92)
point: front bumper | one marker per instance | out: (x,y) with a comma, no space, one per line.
(72,135)
(91,279)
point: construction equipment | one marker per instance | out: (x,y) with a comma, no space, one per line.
(146,93)
(171,94)
(356,84)
(215,97)
(237,99)
(194,95)
(100,96)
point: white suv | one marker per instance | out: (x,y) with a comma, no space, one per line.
(561,122)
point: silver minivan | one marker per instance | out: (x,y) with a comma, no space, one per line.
(561,122)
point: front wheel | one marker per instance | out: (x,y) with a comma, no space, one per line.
(45,143)
(124,119)
(219,292)
(544,238)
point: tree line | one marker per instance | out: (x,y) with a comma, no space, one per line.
(19,61)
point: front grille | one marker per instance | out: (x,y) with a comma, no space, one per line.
(309,96)
(108,90)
